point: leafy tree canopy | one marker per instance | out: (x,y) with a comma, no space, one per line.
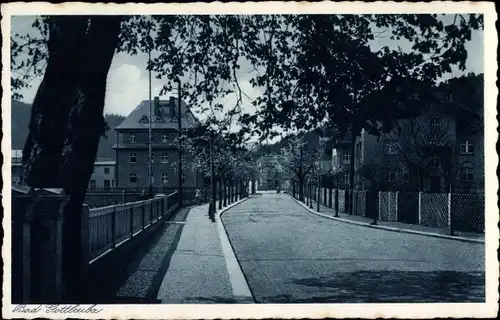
(311,69)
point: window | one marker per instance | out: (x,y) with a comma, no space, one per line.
(347,157)
(92,184)
(164,138)
(467,172)
(133,177)
(107,184)
(435,161)
(164,178)
(406,175)
(164,158)
(358,150)
(390,147)
(144,119)
(132,138)
(159,119)
(466,147)
(392,176)
(346,177)
(133,158)
(106,170)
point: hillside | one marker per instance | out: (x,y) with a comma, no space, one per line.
(21,113)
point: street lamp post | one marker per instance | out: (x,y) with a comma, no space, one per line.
(150,135)
(179,125)
(320,167)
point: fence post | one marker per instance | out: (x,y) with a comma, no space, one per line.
(379,205)
(113,226)
(330,197)
(318,200)
(420,207)
(131,221)
(85,250)
(151,204)
(49,242)
(336,202)
(143,215)
(397,206)
(450,220)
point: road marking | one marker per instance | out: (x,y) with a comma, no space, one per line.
(239,285)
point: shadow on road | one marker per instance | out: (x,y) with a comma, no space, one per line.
(390,286)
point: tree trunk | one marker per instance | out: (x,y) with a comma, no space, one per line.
(224,192)
(301,189)
(354,132)
(67,121)
(220,193)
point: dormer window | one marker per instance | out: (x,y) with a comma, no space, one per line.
(159,120)
(144,119)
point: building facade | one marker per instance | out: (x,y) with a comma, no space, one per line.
(271,173)
(132,150)
(439,150)
(16,158)
(103,176)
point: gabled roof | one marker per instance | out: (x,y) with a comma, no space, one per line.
(139,117)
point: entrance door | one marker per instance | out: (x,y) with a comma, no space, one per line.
(107,184)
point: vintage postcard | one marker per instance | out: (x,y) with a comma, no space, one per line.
(249,160)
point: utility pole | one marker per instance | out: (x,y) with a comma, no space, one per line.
(212,180)
(150,135)
(180,139)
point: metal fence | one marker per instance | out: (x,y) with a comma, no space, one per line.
(434,210)
(451,211)
(467,211)
(388,206)
(111,225)
(98,198)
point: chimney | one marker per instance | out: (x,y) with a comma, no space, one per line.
(172,106)
(156,106)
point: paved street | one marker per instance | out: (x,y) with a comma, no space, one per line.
(290,255)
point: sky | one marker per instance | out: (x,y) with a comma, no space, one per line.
(127,83)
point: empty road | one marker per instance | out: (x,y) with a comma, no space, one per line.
(289,255)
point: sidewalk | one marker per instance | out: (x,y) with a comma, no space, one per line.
(197,272)
(394,226)
(191,262)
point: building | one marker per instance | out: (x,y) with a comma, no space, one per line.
(440,148)
(341,159)
(132,163)
(16,157)
(103,176)
(271,173)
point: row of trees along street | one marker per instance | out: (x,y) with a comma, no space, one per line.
(310,69)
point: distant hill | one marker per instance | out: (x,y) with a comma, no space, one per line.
(21,113)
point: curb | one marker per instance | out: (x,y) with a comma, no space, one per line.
(422,233)
(239,285)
